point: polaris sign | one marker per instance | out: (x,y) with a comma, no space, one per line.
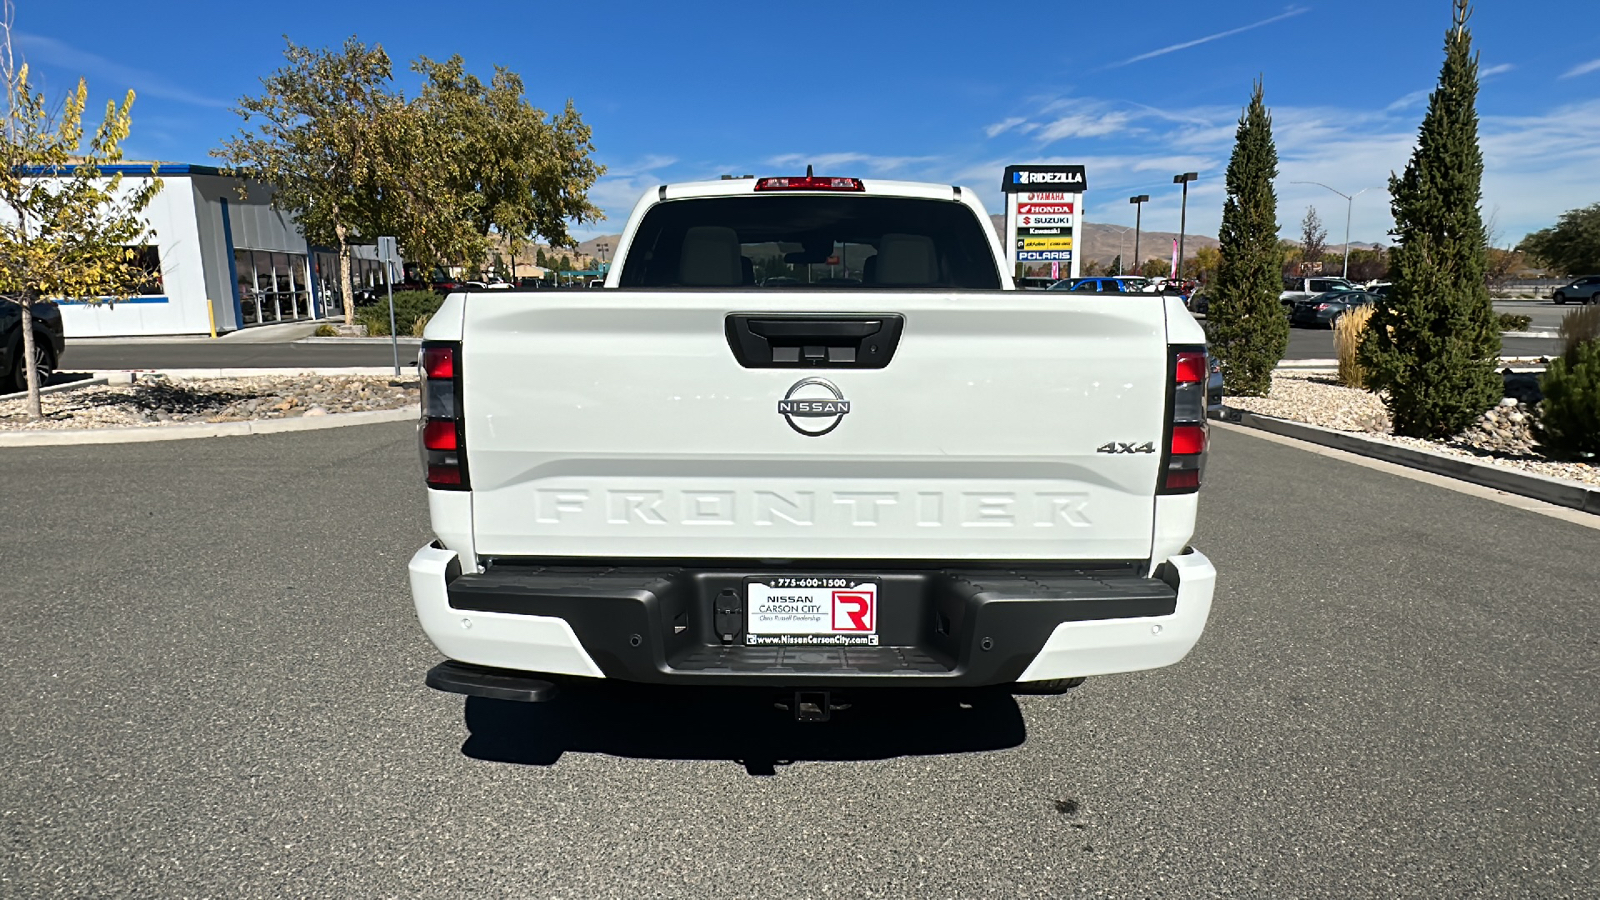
(1067,179)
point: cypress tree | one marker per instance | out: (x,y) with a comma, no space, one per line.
(1247,329)
(1433,344)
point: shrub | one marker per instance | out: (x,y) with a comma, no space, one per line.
(1581,326)
(408,307)
(1569,420)
(1347,333)
(1513,322)
(420,325)
(326,330)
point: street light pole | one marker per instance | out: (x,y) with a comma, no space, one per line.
(1349,205)
(1138,219)
(1183,215)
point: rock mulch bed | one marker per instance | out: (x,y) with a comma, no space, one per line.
(1502,437)
(153,402)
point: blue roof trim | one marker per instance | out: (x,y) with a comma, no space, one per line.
(124,169)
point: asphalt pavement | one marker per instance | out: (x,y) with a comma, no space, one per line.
(212,687)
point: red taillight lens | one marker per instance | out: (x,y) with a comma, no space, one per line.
(1184,457)
(444,445)
(439,434)
(439,362)
(1190,368)
(810,183)
(1188,439)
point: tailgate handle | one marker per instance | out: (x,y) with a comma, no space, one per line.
(814,340)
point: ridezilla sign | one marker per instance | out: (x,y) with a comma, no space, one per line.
(1043,205)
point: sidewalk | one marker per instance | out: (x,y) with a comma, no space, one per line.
(284,333)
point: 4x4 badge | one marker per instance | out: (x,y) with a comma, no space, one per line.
(1118,447)
(813,398)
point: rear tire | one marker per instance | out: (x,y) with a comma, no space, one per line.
(1560,298)
(16,380)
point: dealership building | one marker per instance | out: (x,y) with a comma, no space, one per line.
(218,262)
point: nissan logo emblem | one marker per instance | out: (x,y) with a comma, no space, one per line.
(813,406)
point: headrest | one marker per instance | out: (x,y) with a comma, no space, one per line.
(906,259)
(710,257)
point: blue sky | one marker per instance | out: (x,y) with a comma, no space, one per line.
(927,90)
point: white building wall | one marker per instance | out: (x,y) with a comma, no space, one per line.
(180,308)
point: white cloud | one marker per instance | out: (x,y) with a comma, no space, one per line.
(837,163)
(51,52)
(1495,70)
(1084,126)
(1582,69)
(1409,100)
(1003,126)
(1286,14)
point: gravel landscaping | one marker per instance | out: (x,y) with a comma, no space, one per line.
(152,402)
(1503,436)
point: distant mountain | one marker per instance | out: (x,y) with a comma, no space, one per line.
(1103,243)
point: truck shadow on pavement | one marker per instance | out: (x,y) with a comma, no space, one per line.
(744,726)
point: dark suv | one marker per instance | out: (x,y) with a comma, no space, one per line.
(48,343)
(1581,290)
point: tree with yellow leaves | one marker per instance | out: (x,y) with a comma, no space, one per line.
(66,230)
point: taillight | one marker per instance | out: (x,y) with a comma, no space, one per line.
(1184,457)
(444,431)
(810,183)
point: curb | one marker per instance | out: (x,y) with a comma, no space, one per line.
(58,388)
(1530,334)
(1554,491)
(404,342)
(140,435)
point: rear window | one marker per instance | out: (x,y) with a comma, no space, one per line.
(810,241)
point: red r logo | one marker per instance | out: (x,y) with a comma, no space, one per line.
(852,611)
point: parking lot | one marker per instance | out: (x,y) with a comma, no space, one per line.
(213,688)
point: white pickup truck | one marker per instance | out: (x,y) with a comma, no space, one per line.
(810,437)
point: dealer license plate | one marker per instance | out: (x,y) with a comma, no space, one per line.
(811,610)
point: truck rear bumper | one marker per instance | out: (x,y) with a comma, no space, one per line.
(955,626)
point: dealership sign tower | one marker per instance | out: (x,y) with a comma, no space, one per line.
(1043,204)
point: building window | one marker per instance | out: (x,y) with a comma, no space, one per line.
(273,287)
(147,259)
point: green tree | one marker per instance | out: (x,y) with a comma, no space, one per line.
(1572,245)
(1156,268)
(68,230)
(324,135)
(1204,264)
(1432,345)
(540,260)
(1248,331)
(1116,265)
(512,168)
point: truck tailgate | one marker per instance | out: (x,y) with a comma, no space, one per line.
(621,424)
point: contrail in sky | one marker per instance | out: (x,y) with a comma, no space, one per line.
(1287,14)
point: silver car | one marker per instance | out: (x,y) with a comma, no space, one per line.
(1581,290)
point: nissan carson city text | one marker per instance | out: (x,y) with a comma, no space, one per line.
(810,437)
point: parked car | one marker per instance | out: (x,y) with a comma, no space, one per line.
(1582,290)
(1105,284)
(1037,282)
(49,342)
(532,283)
(1295,289)
(1323,310)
